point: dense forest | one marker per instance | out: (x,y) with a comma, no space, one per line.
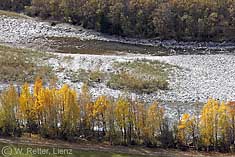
(62,113)
(165,19)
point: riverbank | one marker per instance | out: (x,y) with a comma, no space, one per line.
(192,77)
(77,54)
(21,30)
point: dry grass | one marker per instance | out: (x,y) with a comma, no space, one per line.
(137,76)
(12,14)
(20,65)
(82,75)
(140,76)
(132,83)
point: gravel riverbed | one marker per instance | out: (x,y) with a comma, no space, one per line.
(197,78)
(28,30)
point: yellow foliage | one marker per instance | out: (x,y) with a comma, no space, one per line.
(100,106)
(121,112)
(186,128)
(155,116)
(214,122)
(26,104)
(9,104)
(61,111)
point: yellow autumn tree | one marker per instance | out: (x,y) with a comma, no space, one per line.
(209,123)
(9,102)
(28,115)
(38,85)
(70,111)
(86,107)
(47,98)
(140,116)
(37,107)
(223,123)
(155,118)
(111,122)
(121,113)
(186,129)
(100,106)
(59,112)
(231,114)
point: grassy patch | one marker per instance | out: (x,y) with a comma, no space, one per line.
(146,68)
(130,82)
(140,76)
(12,14)
(77,46)
(137,76)
(95,76)
(20,65)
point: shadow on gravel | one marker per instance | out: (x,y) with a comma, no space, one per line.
(74,45)
(96,47)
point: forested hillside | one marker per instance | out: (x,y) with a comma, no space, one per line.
(167,19)
(14,5)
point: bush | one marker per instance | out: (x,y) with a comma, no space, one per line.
(131,82)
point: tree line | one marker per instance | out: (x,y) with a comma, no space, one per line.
(164,19)
(14,5)
(62,113)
